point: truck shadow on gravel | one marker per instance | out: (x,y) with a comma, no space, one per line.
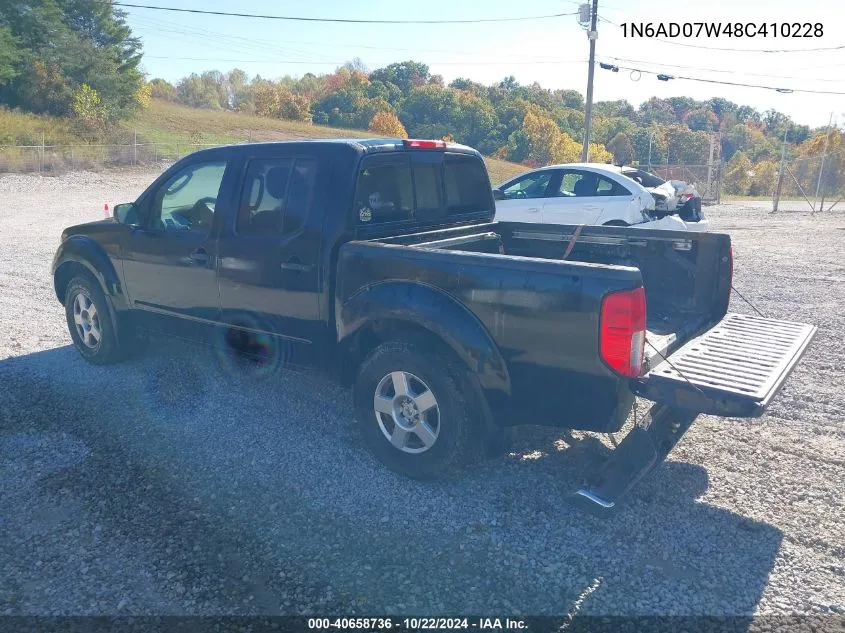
(240,491)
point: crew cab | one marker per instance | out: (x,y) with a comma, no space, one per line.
(379,260)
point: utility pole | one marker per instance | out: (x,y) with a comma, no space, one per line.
(824,155)
(780,172)
(650,139)
(710,163)
(592,35)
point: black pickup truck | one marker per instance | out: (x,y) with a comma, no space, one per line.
(379,260)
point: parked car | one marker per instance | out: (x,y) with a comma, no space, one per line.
(584,193)
(379,261)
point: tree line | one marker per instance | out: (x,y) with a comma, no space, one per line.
(527,124)
(79,59)
(74,58)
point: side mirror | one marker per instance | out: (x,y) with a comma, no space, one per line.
(498,195)
(126,213)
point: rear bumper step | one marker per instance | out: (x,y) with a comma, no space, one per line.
(734,369)
(644,448)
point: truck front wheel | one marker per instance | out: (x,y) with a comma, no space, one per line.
(90,322)
(410,410)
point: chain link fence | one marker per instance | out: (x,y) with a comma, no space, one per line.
(707,179)
(55,159)
(816,183)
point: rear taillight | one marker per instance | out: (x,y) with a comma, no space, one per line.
(423,144)
(684,197)
(622,331)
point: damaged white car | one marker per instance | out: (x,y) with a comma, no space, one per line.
(587,193)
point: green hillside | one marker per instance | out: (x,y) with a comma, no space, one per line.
(171,123)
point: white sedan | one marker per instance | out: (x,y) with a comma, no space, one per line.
(582,193)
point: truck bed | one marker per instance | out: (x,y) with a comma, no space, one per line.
(542,312)
(680,271)
(725,364)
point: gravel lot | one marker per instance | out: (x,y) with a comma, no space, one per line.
(173,484)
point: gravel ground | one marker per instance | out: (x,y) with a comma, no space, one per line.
(174,484)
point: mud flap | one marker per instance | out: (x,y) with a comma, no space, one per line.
(644,448)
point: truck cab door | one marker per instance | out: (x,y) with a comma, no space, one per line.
(169,266)
(269,251)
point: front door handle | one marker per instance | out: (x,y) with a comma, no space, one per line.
(533,210)
(296,265)
(200,257)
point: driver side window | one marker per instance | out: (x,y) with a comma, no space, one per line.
(529,186)
(187,200)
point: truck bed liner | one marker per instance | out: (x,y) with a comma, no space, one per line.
(733,369)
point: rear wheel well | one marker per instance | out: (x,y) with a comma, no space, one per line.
(616,223)
(370,336)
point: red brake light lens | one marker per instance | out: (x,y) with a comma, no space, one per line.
(622,331)
(423,144)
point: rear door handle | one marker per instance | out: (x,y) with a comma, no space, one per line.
(199,257)
(533,210)
(295,265)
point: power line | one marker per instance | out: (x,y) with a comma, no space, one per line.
(735,50)
(300,61)
(730,83)
(259,44)
(718,70)
(340,20)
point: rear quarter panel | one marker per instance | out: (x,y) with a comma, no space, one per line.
(541,315)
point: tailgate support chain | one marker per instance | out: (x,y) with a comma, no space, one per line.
(643,449)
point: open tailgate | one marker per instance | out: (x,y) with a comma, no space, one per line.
(734,369)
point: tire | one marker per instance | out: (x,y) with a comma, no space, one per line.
(616,223)
(444,442)
(86,326)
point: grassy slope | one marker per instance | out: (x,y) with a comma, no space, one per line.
(172,123)
(19,128)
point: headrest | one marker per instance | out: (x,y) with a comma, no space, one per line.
(276,181)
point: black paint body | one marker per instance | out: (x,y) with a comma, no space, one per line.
(525,323)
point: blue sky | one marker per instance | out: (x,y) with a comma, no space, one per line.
(552,51)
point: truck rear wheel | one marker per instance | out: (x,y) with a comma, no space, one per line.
(410,410)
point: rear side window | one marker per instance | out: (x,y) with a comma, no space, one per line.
(466,184)
(300,193)
(277,196)
(607,187)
